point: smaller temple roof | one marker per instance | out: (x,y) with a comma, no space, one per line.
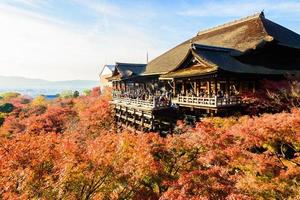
(213,59)
(127,70)
(111,68)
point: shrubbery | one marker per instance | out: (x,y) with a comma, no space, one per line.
(6,108)
(9,95)
(68,149)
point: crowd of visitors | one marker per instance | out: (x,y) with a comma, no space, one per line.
(160,98)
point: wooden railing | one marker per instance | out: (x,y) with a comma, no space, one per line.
(203,101)
(208,101)
(184,100)
(227,101)
(136,102)
(141,103)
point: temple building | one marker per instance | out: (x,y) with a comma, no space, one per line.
(204,75)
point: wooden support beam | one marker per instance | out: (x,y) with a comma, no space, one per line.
(174,88)
(126,114)
(142,119)
(208,88)
(198,85)
(152,123)
(216,86)
(134,117)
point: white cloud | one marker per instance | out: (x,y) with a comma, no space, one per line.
(34,45)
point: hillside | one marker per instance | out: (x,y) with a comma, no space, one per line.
(69,149)
(13,82)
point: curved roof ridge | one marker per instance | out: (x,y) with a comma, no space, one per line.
(256,15)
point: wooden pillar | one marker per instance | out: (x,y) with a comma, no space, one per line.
(125,86)
(152,122)
(195,87)
(208,88)
(126,114)
(216,86)
(174,88)
(198,85)
(183,88)
(142,120)
(134,118)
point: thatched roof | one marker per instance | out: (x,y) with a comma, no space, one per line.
(127,70)
(213,59)
(241,35)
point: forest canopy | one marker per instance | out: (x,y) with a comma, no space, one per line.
(68,149)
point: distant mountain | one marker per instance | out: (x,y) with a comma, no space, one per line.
(21,82)
(39,86)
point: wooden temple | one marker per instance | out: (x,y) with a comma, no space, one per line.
(205,74)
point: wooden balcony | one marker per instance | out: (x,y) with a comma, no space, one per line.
(187,101)
(138,103)
(209,102)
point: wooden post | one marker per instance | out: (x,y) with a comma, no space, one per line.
(183,88)
(152,122)
(142,120)
(174,88)
(198,85)
(209,88)
(216,86)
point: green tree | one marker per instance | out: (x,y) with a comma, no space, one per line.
(9,95)
(87,92)
(6,108)
(66,94)
(76,94)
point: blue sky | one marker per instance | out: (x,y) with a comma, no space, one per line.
(72,39)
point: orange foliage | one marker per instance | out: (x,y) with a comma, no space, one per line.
(67,149)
